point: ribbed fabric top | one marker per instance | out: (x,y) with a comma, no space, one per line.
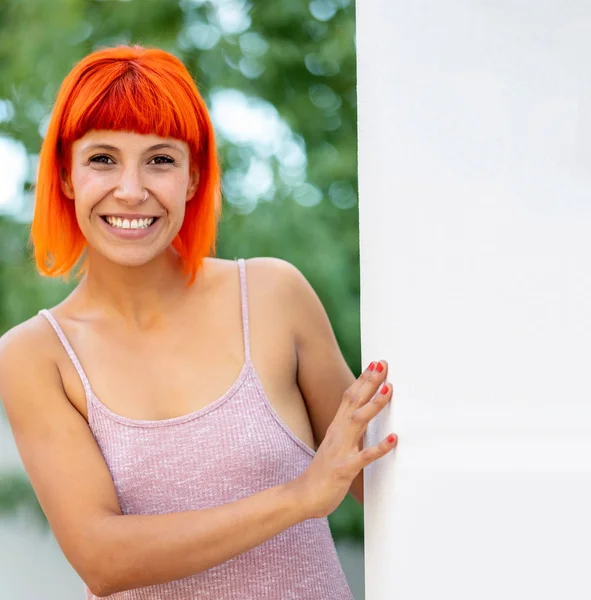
(234,447)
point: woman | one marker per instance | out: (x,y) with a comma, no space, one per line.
(166,414)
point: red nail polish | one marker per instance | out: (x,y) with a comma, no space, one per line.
(384,390)
(391,438)
(379,368)
(372,366)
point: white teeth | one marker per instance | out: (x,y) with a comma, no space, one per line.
(120,223)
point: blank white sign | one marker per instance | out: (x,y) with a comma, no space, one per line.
(475,234)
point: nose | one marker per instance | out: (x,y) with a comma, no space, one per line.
(130,189)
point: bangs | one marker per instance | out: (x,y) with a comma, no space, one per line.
(129,97)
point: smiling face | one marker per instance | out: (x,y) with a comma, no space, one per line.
(130,192)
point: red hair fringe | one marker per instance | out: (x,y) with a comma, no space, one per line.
(128,88)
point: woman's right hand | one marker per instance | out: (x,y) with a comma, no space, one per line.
(338,459)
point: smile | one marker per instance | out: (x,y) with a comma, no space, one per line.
(120,223)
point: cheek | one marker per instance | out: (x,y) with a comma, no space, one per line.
(88,185)
(171,191)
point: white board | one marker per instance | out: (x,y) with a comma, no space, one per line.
(475,248)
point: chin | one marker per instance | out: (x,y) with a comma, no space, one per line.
(129,258)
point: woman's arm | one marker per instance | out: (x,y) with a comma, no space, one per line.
(323,373)
(113,552)
(147,549)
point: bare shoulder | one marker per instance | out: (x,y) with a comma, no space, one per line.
(268,276)
(283,288)
(25,342)
(277,273)
(287,283)
(27,358)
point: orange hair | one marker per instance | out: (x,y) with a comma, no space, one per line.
(129,88)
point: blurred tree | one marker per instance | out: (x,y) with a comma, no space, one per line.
(279,78)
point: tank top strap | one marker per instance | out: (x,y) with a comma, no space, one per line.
(66,344)
(243,293)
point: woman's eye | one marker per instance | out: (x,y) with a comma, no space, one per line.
(101,158)
(162,160)
(104,159)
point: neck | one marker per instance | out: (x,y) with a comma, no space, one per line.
(140,297)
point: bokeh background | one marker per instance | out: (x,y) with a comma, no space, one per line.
(279,79)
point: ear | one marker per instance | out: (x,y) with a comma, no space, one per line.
(66,184)
(193,183)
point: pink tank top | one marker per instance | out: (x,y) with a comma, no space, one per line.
(234,447)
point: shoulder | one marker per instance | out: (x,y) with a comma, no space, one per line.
(29,337)
(282,281)
(24,349)
(268,273)
(271,268)
(289,289)
(281,292)
(29,375)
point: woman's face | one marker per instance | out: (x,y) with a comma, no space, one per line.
(130,192)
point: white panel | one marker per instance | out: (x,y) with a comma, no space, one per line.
(475,232)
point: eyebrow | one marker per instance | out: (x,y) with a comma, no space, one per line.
(115,149)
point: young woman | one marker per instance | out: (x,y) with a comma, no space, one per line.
(187,422)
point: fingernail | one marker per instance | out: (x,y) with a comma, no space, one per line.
(379,368)
(372,366)
(384,390)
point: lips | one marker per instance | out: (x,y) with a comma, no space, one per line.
(122,227)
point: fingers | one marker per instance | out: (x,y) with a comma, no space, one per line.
(361,403)
(369,455)
(365,387)
(366,412)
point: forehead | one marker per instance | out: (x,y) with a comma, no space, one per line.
(125,140)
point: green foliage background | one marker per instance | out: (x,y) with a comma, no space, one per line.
(293,58)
